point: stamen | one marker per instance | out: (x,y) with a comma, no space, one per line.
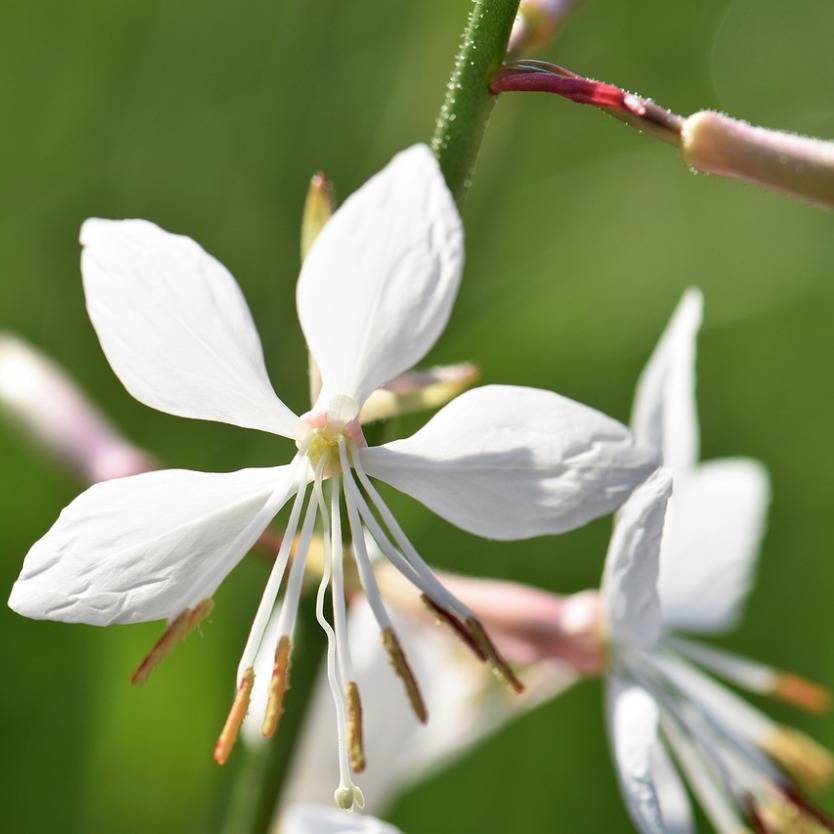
(789,818)
(809,808)
(276,575)
(240,706)
(703,779)
(496,660)
(430,583)
(178,629)
(278,687)
(356,744)
(802,693)
(808,762)
(372,593)
(445,617)
(405,674)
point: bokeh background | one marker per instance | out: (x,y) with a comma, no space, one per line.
(209,117)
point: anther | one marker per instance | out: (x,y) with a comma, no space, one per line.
(240,706)
(802,693)
(446,617)
(278,686)
(808,762)
(808,808)
(356,745)
(499,665)
(405,674)
(178,629)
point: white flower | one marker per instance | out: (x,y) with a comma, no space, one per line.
(690,566)
(318,819)
(374,294)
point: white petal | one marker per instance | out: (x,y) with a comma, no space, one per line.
(632,725)
(147,547)
(629,586)
(664,414)
(675,806)
(319,819)
(717,520)
(175,327)
(509,463)
(377,288)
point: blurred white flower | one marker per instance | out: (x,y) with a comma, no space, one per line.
(375,292)
(42,399)
(318,819)
(689,565)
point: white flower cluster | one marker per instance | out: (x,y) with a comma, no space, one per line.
(504,462)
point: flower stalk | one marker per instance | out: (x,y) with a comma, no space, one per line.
(710,142)
(466,109)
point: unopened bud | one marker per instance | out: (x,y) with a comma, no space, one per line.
(318,209)
(537,24)
(796,165)
(419,390)
(39,396)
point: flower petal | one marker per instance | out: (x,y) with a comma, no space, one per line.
(716,524)
(509,463)
(675,806)
(632,726)
(629,586)
(378,285)
(664,414)
(147,547)
(319,819)
(175,327)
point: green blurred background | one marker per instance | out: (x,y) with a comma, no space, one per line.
(209,117)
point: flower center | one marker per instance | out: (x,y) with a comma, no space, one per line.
(326,428)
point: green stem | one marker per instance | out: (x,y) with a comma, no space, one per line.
(468,103)
(261,773)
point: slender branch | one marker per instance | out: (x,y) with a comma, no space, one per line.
(468,103)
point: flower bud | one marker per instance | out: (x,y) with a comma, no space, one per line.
(318,209)
(50,407)
(418,390)
(537,23)
(319,206)
(796,165)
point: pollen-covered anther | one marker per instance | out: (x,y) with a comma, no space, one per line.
(445,617)
(356,744)
(808,762)
(278,686)
(786,817)
(404,672)
(499,665)
(802,693)
(178,629)
(240,706)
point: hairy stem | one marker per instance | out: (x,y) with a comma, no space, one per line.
(468,103)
